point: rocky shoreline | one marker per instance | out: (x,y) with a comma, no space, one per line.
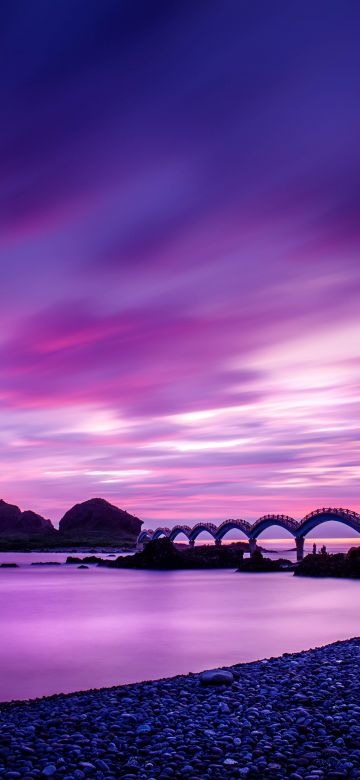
(296,717)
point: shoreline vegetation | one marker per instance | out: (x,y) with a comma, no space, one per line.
(295,716)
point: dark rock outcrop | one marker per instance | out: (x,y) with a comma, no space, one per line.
(99,521)
(31,522)
(327,565)
(86,559)
(10,517)
(17,524)
(163,554)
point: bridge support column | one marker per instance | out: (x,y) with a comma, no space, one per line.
(252,546)
(300,548)
(192,542)
(217,542)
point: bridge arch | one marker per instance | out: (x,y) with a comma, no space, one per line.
(230,525)
(200,527)
(326,514)
(179,529)
(160,532)
(282,521)
(144,536)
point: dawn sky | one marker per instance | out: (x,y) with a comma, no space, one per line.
(179,239)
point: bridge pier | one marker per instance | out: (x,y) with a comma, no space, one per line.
(252,546)
(299,548)
(192,542)
(217,542)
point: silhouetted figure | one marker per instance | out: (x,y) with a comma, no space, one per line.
(314,549)
(323,550)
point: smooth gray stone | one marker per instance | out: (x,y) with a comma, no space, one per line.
(216,677)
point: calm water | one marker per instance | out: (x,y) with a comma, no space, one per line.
(64,629)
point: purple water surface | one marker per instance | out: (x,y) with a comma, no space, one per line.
(63,629)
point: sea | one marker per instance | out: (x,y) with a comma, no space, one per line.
(65,629)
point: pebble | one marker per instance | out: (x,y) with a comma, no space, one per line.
(296,717)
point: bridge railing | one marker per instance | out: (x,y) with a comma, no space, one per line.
(336,511)
(274,519)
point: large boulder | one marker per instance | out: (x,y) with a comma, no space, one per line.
(97,520)
(216,677)
(14,523)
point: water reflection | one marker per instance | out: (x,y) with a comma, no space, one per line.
(67,629)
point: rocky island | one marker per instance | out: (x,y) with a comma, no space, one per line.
(20,530)
(162,554)
(99,523)
(343,565)
(91,523)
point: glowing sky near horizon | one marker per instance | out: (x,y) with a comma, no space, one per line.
(179,242)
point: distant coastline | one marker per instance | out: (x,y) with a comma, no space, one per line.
(43,546)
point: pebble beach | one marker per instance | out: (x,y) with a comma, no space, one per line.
(297,716)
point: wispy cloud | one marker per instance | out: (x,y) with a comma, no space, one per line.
(179,239)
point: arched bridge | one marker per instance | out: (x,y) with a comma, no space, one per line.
(298,528)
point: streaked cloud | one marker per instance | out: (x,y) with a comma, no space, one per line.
(179,239)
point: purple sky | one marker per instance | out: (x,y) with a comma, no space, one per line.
(179,238)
